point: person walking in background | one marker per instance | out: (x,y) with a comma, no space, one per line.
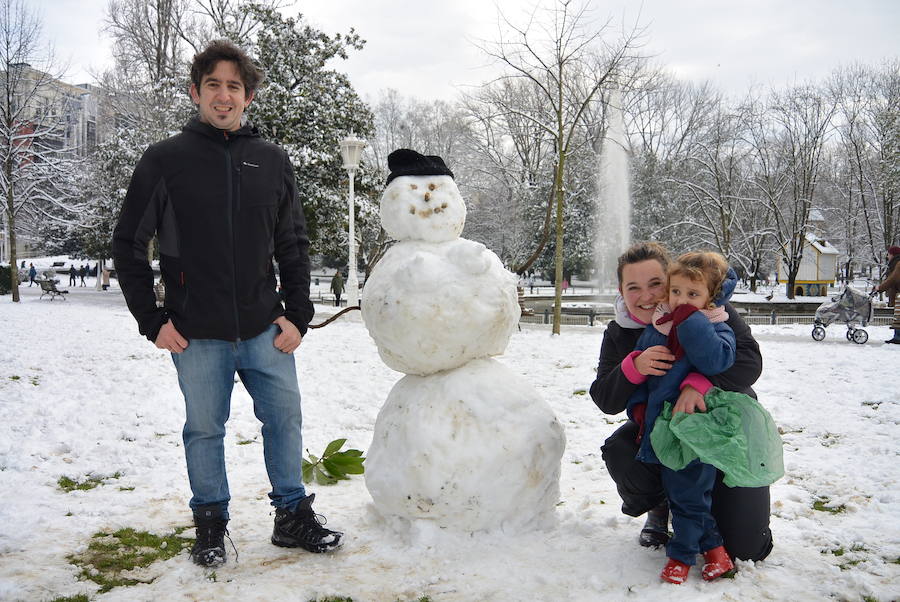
(891,287)
(73,274)
(104,282)
(223,204)
(337,287)
(82,272)
(32,272)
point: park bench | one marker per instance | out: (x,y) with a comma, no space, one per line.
(48,287)
(59,264)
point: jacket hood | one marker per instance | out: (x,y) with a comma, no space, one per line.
(728,287)
(204,129)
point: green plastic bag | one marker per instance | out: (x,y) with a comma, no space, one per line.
(735,434)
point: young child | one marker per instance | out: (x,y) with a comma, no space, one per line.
(692,325)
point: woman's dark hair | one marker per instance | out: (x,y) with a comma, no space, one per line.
(642,251)
(222,50)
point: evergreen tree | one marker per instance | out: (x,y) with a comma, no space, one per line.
(307,108)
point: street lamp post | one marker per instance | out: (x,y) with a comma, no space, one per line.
(351,150)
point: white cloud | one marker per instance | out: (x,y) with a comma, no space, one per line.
(425,49)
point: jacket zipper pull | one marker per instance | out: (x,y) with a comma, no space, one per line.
(182,278)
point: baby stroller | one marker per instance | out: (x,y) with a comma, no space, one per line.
(851,307)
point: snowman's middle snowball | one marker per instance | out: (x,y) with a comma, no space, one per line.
(435,306)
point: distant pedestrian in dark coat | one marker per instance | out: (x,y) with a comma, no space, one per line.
(82,273)
(337,287)
(32,272)
(73,273)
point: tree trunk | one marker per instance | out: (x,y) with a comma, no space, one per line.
(558,256)
(11,224)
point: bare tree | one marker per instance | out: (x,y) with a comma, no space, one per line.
(146,35)
(511,167)
(206,20)
(568,58)
(37,169)
(789,151)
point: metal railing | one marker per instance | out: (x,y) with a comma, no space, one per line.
(593,319)
(803,319)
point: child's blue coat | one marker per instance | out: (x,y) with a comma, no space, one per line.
(709,349)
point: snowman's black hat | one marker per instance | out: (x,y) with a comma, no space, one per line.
(407,162)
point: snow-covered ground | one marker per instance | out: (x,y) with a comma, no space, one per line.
(81,393)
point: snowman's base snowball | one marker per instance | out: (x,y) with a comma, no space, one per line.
(471,449)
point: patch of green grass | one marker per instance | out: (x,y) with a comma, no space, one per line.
(15,377)
(821,505)
(34,380)
(332,599)
(109,555)
(68,484)
(126,488)
(245,442)
(579,392)
(869,599)
(75,598)
(844,566)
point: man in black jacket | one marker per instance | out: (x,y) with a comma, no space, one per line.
(223,204)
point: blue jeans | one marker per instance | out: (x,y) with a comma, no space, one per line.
(206,376)
(690,499)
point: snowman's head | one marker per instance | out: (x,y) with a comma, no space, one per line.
(421,200)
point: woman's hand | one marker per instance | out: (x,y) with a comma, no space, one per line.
(689,401)
(654,361)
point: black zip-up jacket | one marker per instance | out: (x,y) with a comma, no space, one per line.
(611,389)
(223,205)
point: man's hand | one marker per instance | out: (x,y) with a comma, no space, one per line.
(289,338)
(654,361)
(170,339)
(689,401)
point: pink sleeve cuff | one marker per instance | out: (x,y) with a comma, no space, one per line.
(630,372)
(698,381)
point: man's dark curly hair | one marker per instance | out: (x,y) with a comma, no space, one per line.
(222,50)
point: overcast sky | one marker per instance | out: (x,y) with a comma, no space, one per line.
(425,48)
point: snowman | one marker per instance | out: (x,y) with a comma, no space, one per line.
(462,442)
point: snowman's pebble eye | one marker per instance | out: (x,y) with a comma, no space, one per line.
(412,209)
(443,205)
(427,196)
(437,209)
(431,187)
(413,187)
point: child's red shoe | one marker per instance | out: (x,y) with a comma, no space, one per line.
(675,571)
(717,563)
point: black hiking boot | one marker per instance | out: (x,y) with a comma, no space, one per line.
(209,547)
(301,528)
(656,529)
